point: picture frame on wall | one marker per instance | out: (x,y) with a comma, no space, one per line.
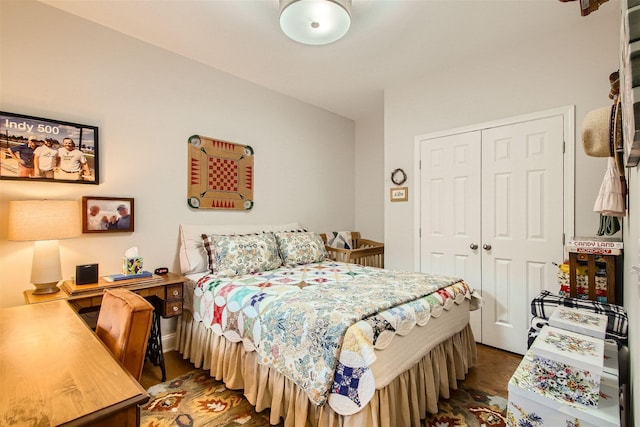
(38,149)
(220,174)
(399,194)
(107,214)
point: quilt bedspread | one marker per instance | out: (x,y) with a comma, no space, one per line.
(319,323)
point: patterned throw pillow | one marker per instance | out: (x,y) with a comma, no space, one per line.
(211,256)
(242,254)
(339,239)
(301,248)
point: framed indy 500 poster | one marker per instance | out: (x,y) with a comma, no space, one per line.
(34,148)
(220,174)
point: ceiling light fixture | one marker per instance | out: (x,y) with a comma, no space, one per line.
(315,22)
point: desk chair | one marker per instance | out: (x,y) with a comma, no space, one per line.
(124,324)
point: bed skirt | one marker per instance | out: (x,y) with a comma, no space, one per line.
(402,403)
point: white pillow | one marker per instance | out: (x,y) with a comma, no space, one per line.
(193,257)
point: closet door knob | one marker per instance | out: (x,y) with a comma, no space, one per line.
(473,246)
(486,247)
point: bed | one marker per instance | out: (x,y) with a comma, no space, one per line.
(320,342)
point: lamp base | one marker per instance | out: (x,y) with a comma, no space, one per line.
(46,288)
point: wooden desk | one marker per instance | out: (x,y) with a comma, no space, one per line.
(164,292)
(167,288)
(55,371)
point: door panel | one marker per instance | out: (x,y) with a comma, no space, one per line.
(502,312)
(522,218)
(450,209)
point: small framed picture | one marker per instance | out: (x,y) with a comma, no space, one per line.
(400,194)
(107,214)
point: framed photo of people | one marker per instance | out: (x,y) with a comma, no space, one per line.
(107,214)
(38,149)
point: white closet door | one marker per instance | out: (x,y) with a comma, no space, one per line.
(500,191)
(522,224)
(450,209)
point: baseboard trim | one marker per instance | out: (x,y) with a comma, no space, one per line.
(169,342)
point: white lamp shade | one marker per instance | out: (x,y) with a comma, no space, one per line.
(43,220)
(315,22)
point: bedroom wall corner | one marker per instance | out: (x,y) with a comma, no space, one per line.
(370,176)
(147,102)
(542,72)
(631,278)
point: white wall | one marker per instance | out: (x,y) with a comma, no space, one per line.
(146,103)
(369,175)
(552,70)
(632,282)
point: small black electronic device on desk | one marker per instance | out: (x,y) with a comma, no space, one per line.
(86,274)
(161,270)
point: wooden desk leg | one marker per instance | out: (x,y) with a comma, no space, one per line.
(154,346)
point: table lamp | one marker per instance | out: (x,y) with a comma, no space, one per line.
(44,222)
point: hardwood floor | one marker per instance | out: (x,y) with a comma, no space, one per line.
(491,374)
(493,370)
(174,364)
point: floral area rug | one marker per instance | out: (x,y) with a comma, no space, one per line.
(468,407)
(197,399)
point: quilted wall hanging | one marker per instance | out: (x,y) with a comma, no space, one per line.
(220,174)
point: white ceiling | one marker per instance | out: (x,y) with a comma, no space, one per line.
(390,41)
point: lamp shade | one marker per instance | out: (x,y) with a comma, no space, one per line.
(315,22)
(43,220)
